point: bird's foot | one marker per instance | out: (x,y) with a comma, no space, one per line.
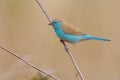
(66,48)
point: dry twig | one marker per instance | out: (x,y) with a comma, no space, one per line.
(28,63)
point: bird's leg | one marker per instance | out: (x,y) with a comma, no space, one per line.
(61,41)
(66,48)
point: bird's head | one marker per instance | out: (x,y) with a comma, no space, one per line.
(56,23)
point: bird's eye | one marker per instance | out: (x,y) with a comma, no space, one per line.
(55,22)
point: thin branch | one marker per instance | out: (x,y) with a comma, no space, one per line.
(43,10)
(73,60)
(65,47)
(28,63)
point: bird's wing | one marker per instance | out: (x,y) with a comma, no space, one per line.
(70,29)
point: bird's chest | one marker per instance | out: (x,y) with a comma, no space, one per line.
(66,37)
(60,34)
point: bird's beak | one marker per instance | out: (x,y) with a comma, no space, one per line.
(50,23)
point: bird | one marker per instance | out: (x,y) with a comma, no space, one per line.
(71,34)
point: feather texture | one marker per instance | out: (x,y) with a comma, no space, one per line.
(69,29)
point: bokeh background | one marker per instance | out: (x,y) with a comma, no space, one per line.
(24,30)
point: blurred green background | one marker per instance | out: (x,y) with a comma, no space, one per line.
(24,29)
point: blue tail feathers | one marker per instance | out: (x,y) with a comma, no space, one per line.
(85,36)
(98,38)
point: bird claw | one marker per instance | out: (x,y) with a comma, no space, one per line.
(66,48)
(61,41)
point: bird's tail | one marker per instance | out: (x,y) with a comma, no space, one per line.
(89,37)
(98,38)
